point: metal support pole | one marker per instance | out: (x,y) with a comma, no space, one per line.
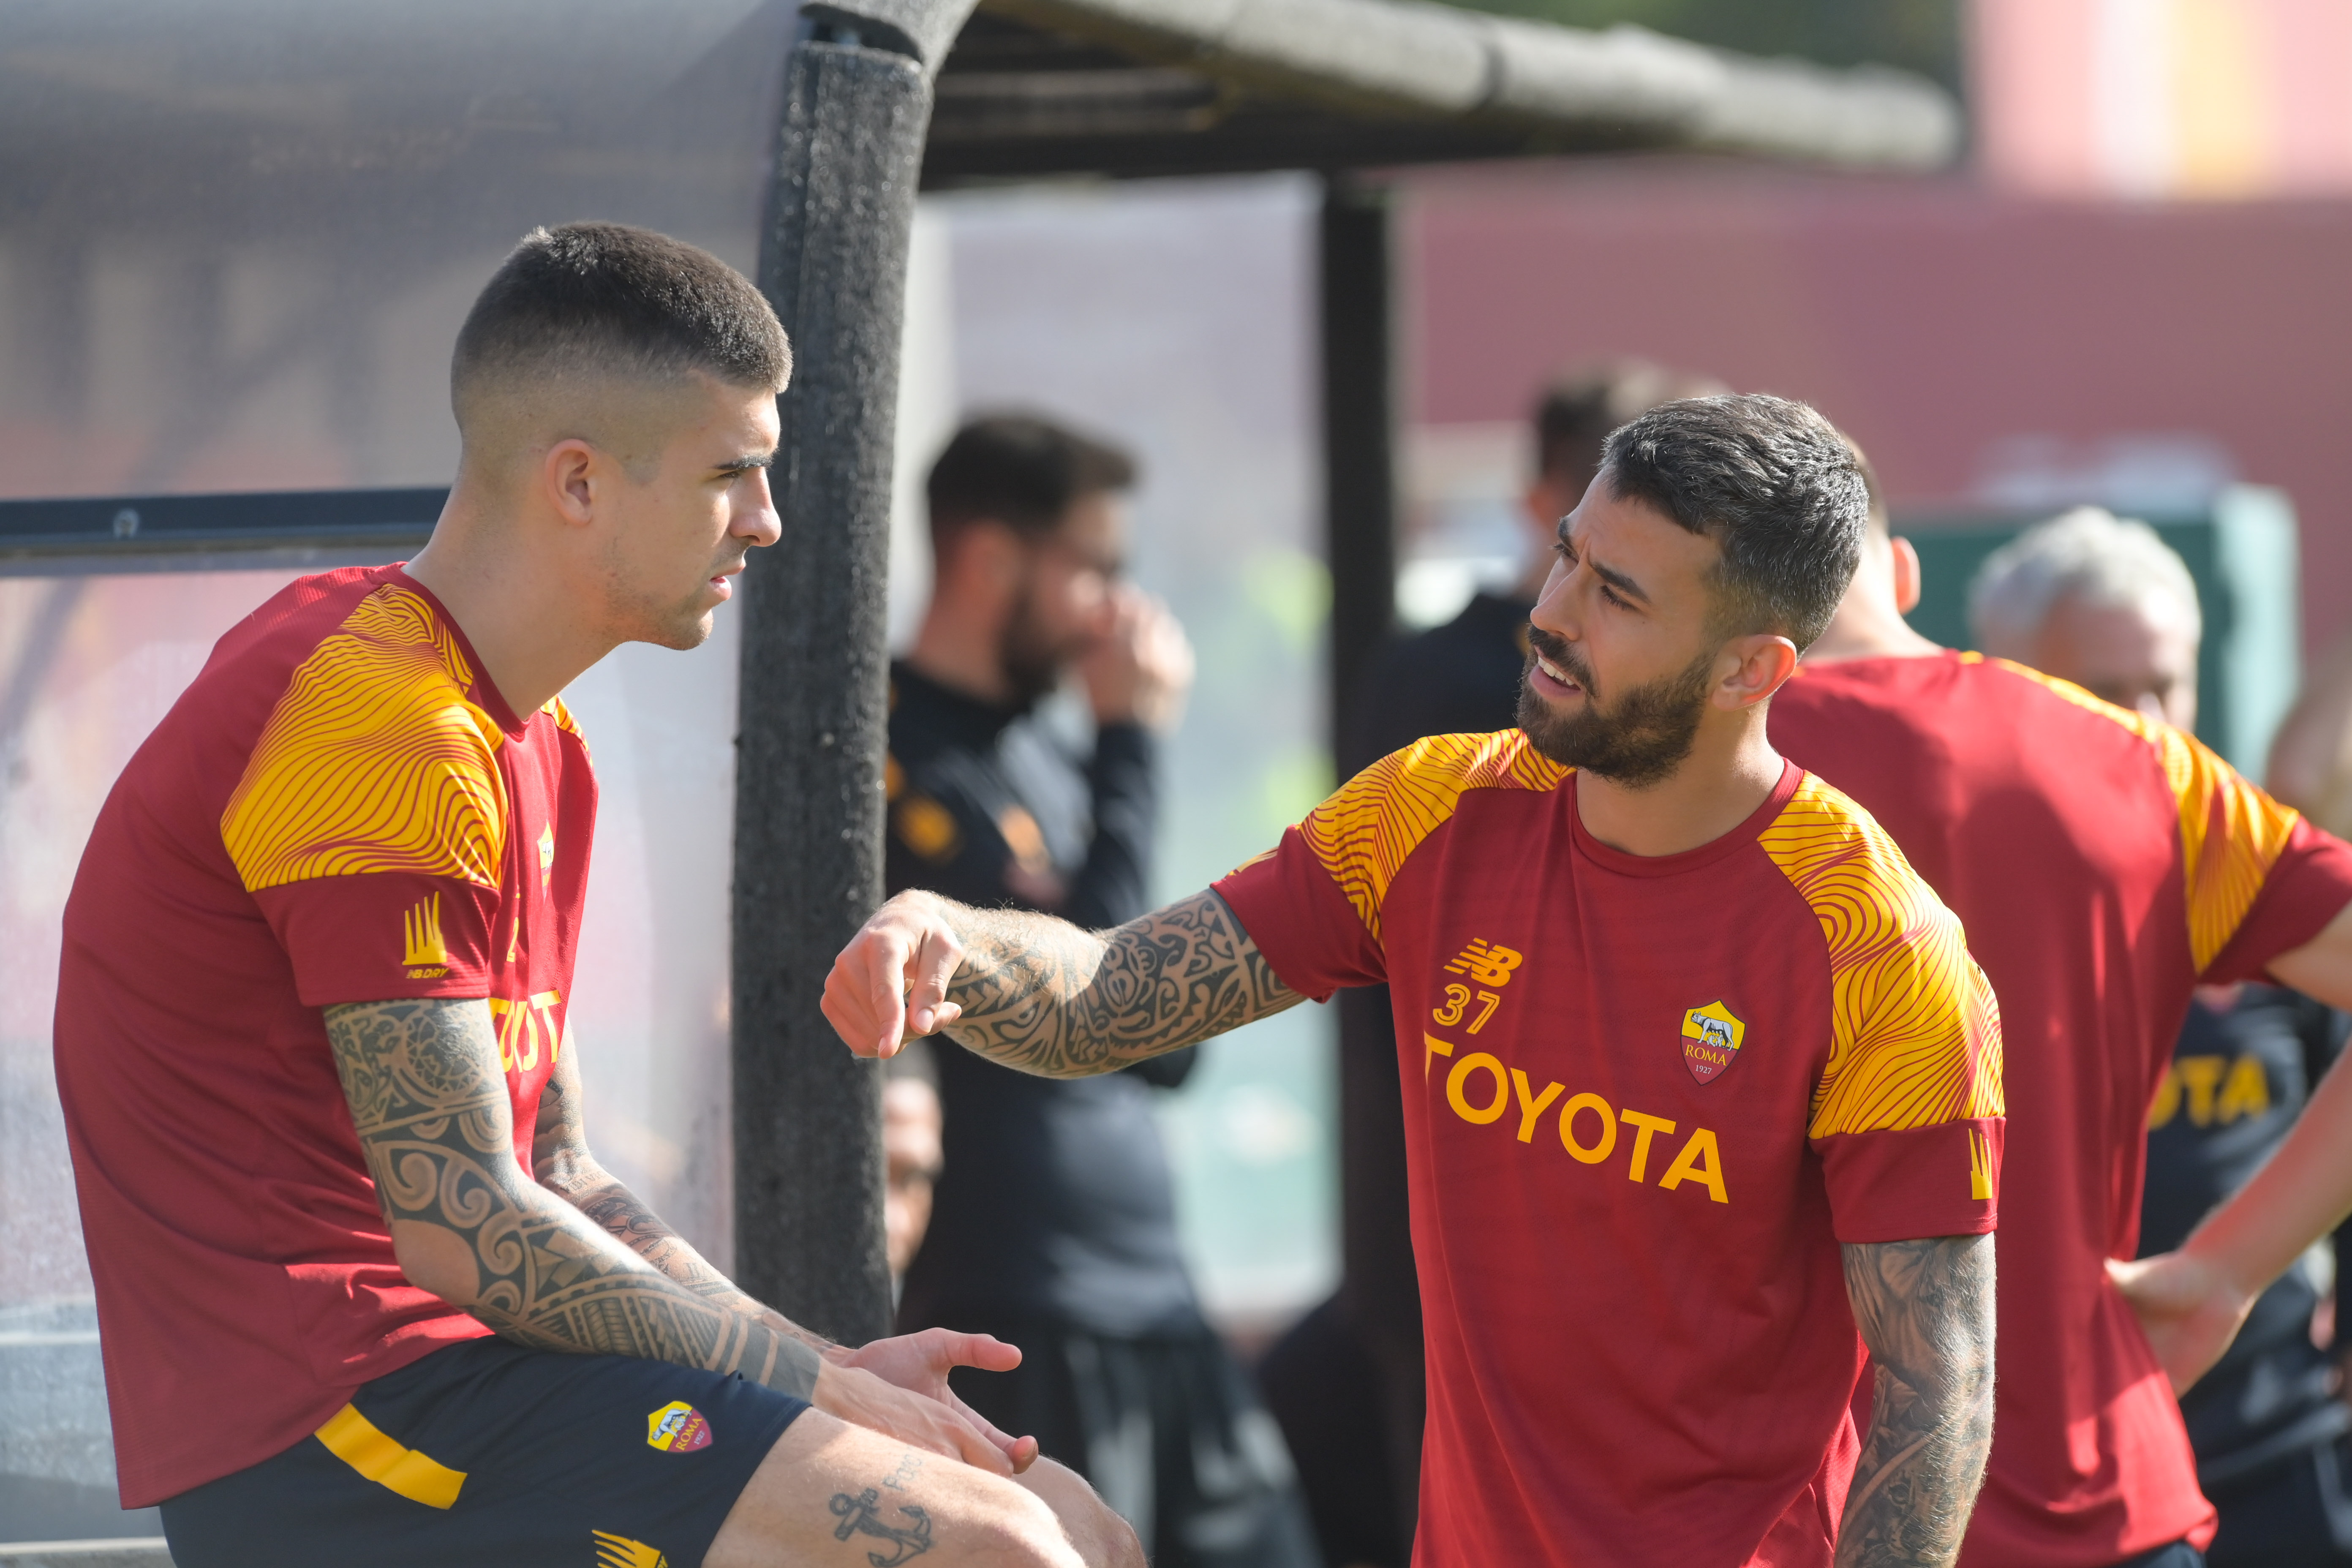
(808,796)
(1377,1290)
(1358,434)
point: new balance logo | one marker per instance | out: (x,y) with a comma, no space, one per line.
(421,933)
(620,1552)
(1487,965)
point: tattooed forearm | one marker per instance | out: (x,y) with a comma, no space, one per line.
(1040,995)
(561,1163)
(1926,1310)
(430,1105)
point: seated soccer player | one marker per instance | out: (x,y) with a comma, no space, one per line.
(2105,865)
(365,1293)
(1698,1078)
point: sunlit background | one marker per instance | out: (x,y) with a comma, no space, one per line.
(2133,293)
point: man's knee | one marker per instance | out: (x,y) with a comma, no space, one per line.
(1010,1525)
(826,1481)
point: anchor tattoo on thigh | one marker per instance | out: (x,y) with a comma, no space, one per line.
(860,1516)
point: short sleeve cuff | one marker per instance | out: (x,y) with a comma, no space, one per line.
(383,936)
(1943,1180)
(1307,931)
(2310,884)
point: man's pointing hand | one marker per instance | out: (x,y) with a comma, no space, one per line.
(890,983)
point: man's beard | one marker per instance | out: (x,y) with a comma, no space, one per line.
(1032,665)
(1637,741)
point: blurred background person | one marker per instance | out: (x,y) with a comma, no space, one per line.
(2311,756)
(2103,602)
(1347,1381)
(912,1156)
(1054,1211)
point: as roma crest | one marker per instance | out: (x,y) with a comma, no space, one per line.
(1711,1037)
(677,1427)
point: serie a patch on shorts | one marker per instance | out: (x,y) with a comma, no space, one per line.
(486,1455)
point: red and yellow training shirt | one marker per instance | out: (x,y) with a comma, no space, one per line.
(2105,865)
(1646,1098)
(340,809)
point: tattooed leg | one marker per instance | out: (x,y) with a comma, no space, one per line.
(430,1105)
(833,1496)
(1926,1310)
(1042,995)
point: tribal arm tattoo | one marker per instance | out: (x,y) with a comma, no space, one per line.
(561,1163)
(1926,1310)
(1042,995)
(430,1104)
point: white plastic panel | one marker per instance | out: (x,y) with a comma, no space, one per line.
(1178,318)
(236,238)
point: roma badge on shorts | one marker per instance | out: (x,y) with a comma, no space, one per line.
(1711,1037)
(677,1427)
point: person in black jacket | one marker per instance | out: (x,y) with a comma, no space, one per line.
(1054,1215)
(1346,1383)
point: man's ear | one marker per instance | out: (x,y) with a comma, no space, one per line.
(572,473)
(981,561)
(1908,582)
(990,552)
(1753,667)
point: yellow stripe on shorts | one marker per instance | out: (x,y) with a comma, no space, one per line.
(353,1438)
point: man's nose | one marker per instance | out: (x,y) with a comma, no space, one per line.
(757,520)
(1554,610)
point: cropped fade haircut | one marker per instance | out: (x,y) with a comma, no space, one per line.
(1781,492)
(1022,470)
(598,301)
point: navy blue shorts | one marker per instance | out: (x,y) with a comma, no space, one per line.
(486,1455)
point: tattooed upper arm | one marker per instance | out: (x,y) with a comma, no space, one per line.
(431,1105)
(1048,998)
(1926,1310)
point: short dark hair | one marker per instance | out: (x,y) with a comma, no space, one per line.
(1577,412)
(1022,470)
(606,298)
(1774,484)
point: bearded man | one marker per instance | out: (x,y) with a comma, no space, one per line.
(1699,1076)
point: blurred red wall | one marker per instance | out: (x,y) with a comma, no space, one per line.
(1933,320)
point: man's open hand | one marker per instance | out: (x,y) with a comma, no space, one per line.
(890,983)
(2189,1308)
(864,1397)
(920,1363)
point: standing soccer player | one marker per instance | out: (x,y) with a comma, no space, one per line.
(2105,864)
(365,1296)
(1693,1064)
